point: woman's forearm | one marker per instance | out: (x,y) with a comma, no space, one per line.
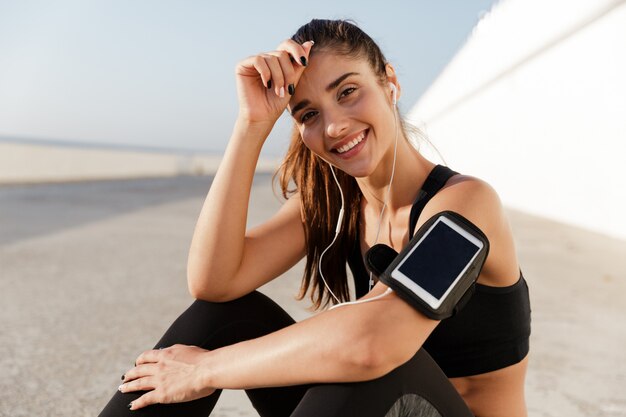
(314,350)
(352,343)
(217,245)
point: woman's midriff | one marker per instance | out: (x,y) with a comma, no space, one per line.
(497,393)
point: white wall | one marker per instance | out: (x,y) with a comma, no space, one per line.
(535,103)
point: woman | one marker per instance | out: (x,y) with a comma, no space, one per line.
(364,359)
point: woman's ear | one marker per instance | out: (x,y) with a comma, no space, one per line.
(393,79)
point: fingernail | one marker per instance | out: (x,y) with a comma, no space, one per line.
(312,42)
(293,61)
(269,84)
(281,92)
(123,376)
(291,89)
(130,405)
(120,388)
(303,60)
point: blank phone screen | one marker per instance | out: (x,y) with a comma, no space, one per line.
(438,260)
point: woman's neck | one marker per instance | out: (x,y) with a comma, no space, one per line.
(411,170)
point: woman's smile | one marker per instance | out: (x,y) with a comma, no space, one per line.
(349,147)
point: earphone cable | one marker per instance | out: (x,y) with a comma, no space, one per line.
(387,194)
(337,229)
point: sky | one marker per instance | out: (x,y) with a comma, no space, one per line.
(160,74)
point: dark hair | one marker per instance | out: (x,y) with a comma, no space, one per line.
(314,181)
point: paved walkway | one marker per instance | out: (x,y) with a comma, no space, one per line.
(92,273)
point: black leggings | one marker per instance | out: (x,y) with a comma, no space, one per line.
(417,388)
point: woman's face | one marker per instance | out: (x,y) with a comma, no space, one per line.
(343,113)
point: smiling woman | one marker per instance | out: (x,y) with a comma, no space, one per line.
(351,126)
(358,182)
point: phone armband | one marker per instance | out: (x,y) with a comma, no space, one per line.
(437,271)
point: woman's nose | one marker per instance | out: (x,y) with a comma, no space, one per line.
(336,127)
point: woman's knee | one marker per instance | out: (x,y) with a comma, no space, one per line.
(212,325)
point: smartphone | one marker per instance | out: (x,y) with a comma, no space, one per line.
(435,263)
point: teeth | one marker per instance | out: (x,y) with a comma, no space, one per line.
(352,144)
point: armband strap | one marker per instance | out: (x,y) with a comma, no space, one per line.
(434,182)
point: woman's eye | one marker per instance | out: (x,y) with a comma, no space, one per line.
(307,116)
(347,91)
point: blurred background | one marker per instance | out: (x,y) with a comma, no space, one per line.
(160,74)
(114,115)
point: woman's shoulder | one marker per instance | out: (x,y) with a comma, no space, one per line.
(470,196)
(476,200)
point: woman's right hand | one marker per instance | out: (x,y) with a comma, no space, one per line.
(281,68)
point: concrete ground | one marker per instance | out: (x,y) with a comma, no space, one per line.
(92,273)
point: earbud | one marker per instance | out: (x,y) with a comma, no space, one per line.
(394,89)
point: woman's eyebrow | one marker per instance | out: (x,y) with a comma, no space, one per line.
(329,87)
(299,106)
(338,81)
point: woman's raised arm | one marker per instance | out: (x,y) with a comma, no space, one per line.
(224,262)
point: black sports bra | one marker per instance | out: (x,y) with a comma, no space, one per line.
(492,330)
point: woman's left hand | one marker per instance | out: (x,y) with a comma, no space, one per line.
(170,375)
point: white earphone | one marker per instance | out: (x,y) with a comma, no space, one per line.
(394,89)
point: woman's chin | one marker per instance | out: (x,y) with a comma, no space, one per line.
(356,170)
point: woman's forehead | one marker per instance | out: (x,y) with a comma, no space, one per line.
(325,68)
